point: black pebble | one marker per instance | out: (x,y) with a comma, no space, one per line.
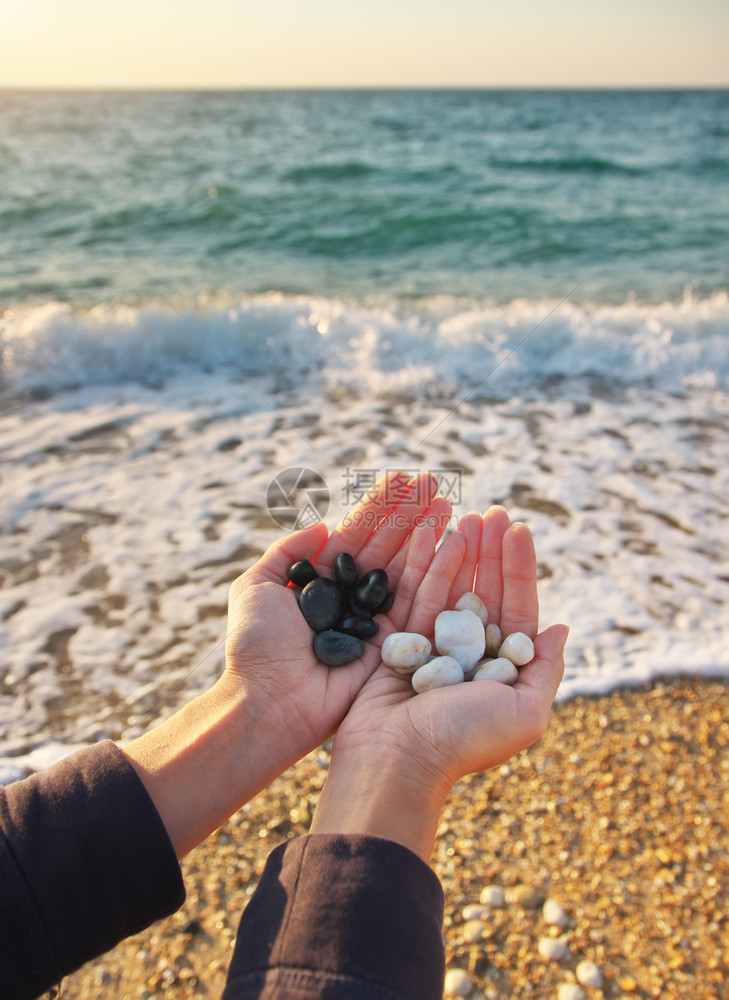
(364,628)
(301,573)
(335,648)
(372,589)
(358,610)
(345,571)
(322,603)
(385,606)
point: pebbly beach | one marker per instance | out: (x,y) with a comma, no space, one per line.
(616,819)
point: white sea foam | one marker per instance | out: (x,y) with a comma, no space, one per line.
(128,506)
(380,348)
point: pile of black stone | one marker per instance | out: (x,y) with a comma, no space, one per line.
(341,611)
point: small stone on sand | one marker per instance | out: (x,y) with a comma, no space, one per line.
(457,983)
(554,914)
(589,974)
(492,895)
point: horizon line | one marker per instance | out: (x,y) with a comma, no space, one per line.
(374,87)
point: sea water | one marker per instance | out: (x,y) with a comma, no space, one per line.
(525,291)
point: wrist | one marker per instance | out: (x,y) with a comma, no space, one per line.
(375,794)
(203,763)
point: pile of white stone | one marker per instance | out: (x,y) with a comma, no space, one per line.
(469,648)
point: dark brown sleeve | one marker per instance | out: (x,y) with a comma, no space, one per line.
(345,917)
(84,861)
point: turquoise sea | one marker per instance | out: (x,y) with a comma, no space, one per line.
(381,199)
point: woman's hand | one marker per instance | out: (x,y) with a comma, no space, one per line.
(269,648)
(397,754)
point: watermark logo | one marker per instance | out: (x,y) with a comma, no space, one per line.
(297,498)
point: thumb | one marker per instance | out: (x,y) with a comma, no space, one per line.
(304,544)
(544,673)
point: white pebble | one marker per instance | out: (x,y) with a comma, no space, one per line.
(472,602)
(457,983)
(518,648)
(589,974)
(474,911)
(493,639)
(570,991)
(405,651)
(492,895)
(441,672)
(552,950)
(554,914)
(473,931)
(460,634)
(501,670)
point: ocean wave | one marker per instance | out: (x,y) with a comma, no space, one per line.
(372,347)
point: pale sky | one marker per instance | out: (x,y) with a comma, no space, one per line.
(350,43)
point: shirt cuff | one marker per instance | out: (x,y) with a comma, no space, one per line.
(345,916)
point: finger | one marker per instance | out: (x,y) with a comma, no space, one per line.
(275,562)
(520,605)
(432,594)
(470,527)
(436,517)
(419,554)
(358,524)
(489,579)
(394,529)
